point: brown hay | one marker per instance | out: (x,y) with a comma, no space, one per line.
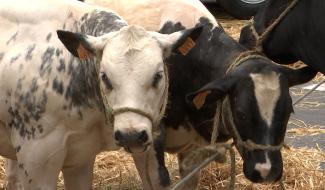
(115,170)
(301,171)
(306,131)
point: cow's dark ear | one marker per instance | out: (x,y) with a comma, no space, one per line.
(211,92)
(299,76)
(186,41)
(77,44)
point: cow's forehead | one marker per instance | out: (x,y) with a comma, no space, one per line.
(132,48)
(267,93)
(131,38)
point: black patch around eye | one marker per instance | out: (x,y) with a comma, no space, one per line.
(106,81)
(156,79)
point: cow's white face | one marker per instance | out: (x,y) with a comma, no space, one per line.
(134,77)
(132,69)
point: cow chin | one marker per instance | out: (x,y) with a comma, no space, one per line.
(136,149)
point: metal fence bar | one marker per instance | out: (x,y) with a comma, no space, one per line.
(309,92)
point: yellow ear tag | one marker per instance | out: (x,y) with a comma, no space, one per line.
(186,46)
(83,53)
(199,99)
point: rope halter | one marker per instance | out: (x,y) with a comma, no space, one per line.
(248,144)
(111,113)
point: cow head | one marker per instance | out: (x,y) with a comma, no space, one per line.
(134,76)
(260,105)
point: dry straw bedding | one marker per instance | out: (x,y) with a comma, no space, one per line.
(115,170)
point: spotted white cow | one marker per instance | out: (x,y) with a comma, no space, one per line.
(60,60)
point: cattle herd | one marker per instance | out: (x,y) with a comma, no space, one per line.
(82,77)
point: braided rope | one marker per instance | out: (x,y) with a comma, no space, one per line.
(134,110)
(268,30)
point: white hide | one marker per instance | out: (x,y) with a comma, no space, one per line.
(154,13)
(264,168)
(267,93)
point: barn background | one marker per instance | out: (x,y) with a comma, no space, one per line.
(304,160)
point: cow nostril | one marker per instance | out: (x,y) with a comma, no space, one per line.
(143,137)
(118,136)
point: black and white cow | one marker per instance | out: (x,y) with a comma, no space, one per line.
(52,111)
(259,100)
(300,35)
(258,89)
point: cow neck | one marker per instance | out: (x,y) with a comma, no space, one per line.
(259,38)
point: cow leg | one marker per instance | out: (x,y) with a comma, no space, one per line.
(40,160)
(79,177)
(184,170)
(11,171)
(151,164)
(184,140)
(40,174)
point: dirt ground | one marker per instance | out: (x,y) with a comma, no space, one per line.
(115,170)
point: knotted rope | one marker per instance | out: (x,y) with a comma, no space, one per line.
(268,30)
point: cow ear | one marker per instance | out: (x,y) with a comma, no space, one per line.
(180,42)
(298,76)
(184,41)
(80,45)
(211,92)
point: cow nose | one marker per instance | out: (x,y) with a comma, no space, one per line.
(131,139)
(143,137)
(118,136)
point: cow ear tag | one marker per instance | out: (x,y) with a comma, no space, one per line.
(83,53)
(199,99)
(186,46)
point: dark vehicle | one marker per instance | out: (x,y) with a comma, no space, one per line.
(242,9)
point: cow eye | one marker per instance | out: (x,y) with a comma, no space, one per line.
(157,78)
(241,115)
(106,81)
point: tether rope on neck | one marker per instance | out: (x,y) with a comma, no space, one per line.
(266,32)
(244,56)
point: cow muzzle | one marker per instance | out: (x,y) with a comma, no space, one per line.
(133,142)
(266,170)
(132,131)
